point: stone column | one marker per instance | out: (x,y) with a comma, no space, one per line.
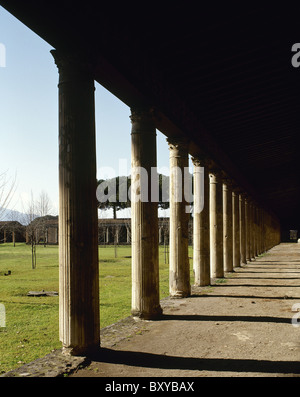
(128,233)
(242,228)
(260,230)
(236,229)
(252,232)
(201,249)
(160,238)
(247,220)
(255,240)
(257,230)
(144,217)
(216,224)
(263,231)
(78,219)
(179,218)
(227,225)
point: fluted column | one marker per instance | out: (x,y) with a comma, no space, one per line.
(79,324)
(248,237)
(179,281)
(144,217)
(242,228)
(227,225)
(236,229)
(263,231)
(201,249)
(260,230)
(252,231)
(255,230)
(216,224)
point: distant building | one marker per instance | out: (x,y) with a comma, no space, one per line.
(12,231)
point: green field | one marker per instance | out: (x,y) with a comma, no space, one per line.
(31,329)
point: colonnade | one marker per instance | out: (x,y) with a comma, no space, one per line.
(230,230)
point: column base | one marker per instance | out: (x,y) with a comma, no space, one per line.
(81,351)
(214,276)
(180,294)
(154,315)
(202,284)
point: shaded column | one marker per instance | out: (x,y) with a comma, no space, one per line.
(179,281)
(242,228)
(255,239)
(236,228)
(263,232)
(216,224)
(260,231)
(201,248)
(247,224)
(79,324)
(257,231)
(160,238)
(144,217)
(252,231)
(227,225)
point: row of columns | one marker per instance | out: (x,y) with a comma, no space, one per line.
(239,229)
(228,231)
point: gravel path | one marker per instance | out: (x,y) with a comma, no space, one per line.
(241,327)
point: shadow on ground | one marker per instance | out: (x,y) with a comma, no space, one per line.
(149,360)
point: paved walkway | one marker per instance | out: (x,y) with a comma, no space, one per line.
(240,326)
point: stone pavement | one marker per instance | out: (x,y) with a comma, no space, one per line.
(241,326)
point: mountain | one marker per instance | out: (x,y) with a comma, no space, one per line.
(12,215)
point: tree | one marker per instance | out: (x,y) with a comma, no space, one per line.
(113,193)
(14,225)
(31,228)
(7,190)
(43,207)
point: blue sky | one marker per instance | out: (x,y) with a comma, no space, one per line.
(29,117)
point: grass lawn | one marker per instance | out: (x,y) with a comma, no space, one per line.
(31,329)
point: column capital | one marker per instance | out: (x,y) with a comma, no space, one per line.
(242,195)
(215,175)
(141,117)
(141,113)
(236,188)
(227,181)
(227,185)
(179,145)
(247,198)
(201,161)
(71,67)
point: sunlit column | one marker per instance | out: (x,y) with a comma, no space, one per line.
(201,248)
(144,217)
(78,219)
(247,220)
(227,225)
(242,228)
(179,218)
(236,228)
(216,224)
